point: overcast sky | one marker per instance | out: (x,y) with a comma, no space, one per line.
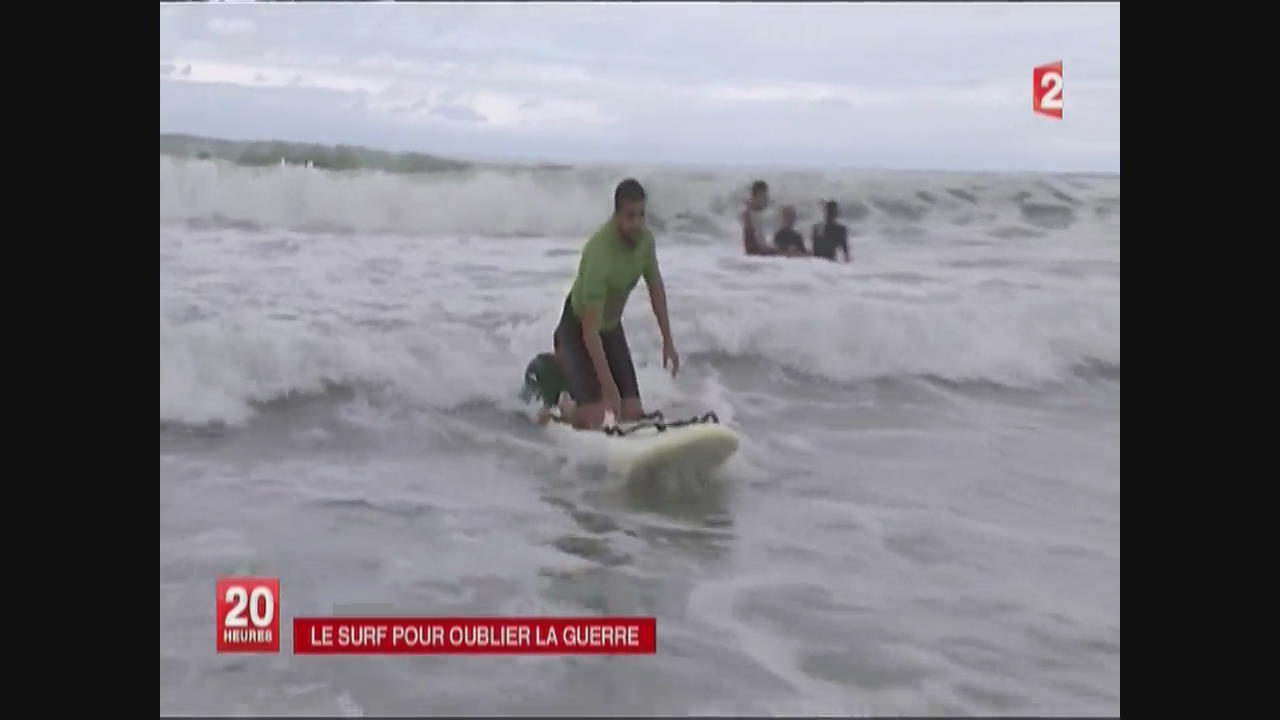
(931,86)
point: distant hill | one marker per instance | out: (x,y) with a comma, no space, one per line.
(325,157)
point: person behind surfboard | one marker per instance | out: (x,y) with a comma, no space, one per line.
(545,380)
(593,345)
(830,235)
(787,240)
(753,242)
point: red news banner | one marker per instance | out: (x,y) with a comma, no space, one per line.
(475,635)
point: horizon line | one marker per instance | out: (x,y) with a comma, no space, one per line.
(533,161)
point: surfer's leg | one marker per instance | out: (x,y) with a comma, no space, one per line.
(618,355)
(581,374)
(589,417)
(632,409)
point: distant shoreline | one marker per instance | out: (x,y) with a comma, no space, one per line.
(265,153)
(345,157)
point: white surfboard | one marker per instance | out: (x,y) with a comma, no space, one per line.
(690,448)
(647,452)
(697,448)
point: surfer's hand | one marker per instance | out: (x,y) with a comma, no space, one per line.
(670,357)
(612,399)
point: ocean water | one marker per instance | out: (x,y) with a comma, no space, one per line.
(924,517)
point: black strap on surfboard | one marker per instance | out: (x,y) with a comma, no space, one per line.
(655,420)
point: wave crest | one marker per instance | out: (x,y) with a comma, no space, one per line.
(558,201)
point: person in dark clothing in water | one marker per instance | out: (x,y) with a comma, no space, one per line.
(787,240)
(753,237)
(830,235)
(546,381)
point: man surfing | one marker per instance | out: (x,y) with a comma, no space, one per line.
(596,359)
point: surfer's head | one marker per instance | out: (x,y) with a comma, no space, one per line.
(788,217)
(628,209)
(832,210)
(759,195)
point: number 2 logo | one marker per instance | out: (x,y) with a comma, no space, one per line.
(1046,92)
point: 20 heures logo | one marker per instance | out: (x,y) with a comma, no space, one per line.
(248,614)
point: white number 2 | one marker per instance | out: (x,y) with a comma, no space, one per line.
(235,616)
(1052,100)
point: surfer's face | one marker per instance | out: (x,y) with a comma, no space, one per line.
(630,219)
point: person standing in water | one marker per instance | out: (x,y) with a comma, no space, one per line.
(830,235)
(787,240)
(593,346)
(753,238)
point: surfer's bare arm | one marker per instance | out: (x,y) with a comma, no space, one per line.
(658,301)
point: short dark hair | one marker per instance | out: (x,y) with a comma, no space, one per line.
(758,187)
(832,207)
(628,190)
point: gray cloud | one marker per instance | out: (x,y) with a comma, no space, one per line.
(415,108)
(944,85)
(831,104)
(460,113)
(231,27)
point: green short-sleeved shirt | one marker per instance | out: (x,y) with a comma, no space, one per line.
(608,271)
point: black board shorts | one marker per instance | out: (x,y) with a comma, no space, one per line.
(583,383)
